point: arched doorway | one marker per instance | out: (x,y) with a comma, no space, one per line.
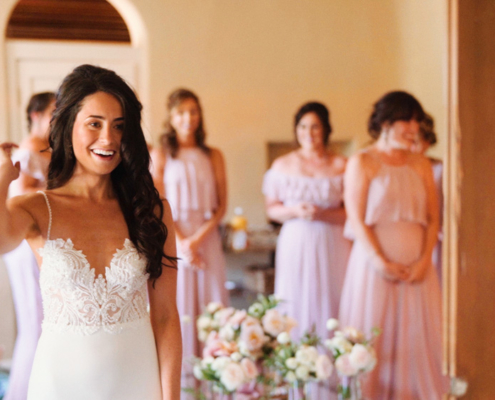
(46,39)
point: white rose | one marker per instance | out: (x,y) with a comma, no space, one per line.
(232,376)
(198,372)
(256,309)
(341,344)
(213,307)
(302,372)
(273,322)
(291,363)
(205,362)
(220,363)
(283,338)
(324,367)
(203,322)
(344,366)
(202,336)
(290,377)
(227,333)
(307,355)
(249,368)
(332,324)
(236,356)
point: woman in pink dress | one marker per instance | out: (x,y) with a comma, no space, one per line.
(21,264)
(191,175)
(391,284)
(428,138)
(303,191)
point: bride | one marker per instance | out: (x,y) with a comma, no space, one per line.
(98,340)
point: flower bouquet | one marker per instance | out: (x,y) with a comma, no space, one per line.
(236,342)
(300,363)
(353,356)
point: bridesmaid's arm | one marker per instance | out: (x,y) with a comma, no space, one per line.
(157,167)
(218,164)
(420,268)
(357,180)
(279,212)
(336,215)
(165,318)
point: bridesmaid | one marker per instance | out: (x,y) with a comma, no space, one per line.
(428,138)
(303,191)
(191,175)
(21,264)
(390,283)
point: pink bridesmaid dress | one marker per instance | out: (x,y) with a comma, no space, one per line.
(190,189)
(437,251)
(409,350)
(311,256)
(23,273)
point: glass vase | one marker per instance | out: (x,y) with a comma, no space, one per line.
(217,393)
(350,388)
(300,390)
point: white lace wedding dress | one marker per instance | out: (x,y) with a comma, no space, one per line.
(96,341)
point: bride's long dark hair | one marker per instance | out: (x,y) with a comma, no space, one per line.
(131,180)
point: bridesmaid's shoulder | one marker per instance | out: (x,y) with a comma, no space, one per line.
(158,154)
(339,162)
(364,158)
(285,163)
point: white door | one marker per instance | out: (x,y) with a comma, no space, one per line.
(35,66)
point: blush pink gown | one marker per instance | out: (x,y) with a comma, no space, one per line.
(311,256)
(190,189)
(409,349)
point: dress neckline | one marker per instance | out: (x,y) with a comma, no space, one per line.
(68,244)
(292,176)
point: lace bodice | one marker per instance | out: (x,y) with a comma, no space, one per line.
(75,300)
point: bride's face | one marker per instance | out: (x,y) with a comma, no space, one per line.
(97,134)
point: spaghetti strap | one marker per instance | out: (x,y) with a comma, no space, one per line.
(49,213)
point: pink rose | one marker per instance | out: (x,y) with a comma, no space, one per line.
(273,322)
(344,366)
(232,376)
(236,320)
(223,315)
(360,357)
(324,367)
(249,368)
(252,336)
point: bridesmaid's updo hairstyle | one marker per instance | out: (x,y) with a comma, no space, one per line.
(427,130)
(323,115)
(131,180)
(394,106)
(169,138)
(38,102)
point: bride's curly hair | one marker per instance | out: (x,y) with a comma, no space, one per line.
(131,180)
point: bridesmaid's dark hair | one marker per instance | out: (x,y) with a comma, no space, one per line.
(394,106)
(169,137)
(131,180)
(38,102)
(427,130)
(323,115)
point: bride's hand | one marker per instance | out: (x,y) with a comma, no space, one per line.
(8,170)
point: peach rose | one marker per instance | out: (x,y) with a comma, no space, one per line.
(344,366)
(232,376)
(273,322)
(249,368)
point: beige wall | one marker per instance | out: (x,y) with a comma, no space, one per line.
(253,62)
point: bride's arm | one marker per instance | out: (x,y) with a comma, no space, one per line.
(15,221)
(165,318)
